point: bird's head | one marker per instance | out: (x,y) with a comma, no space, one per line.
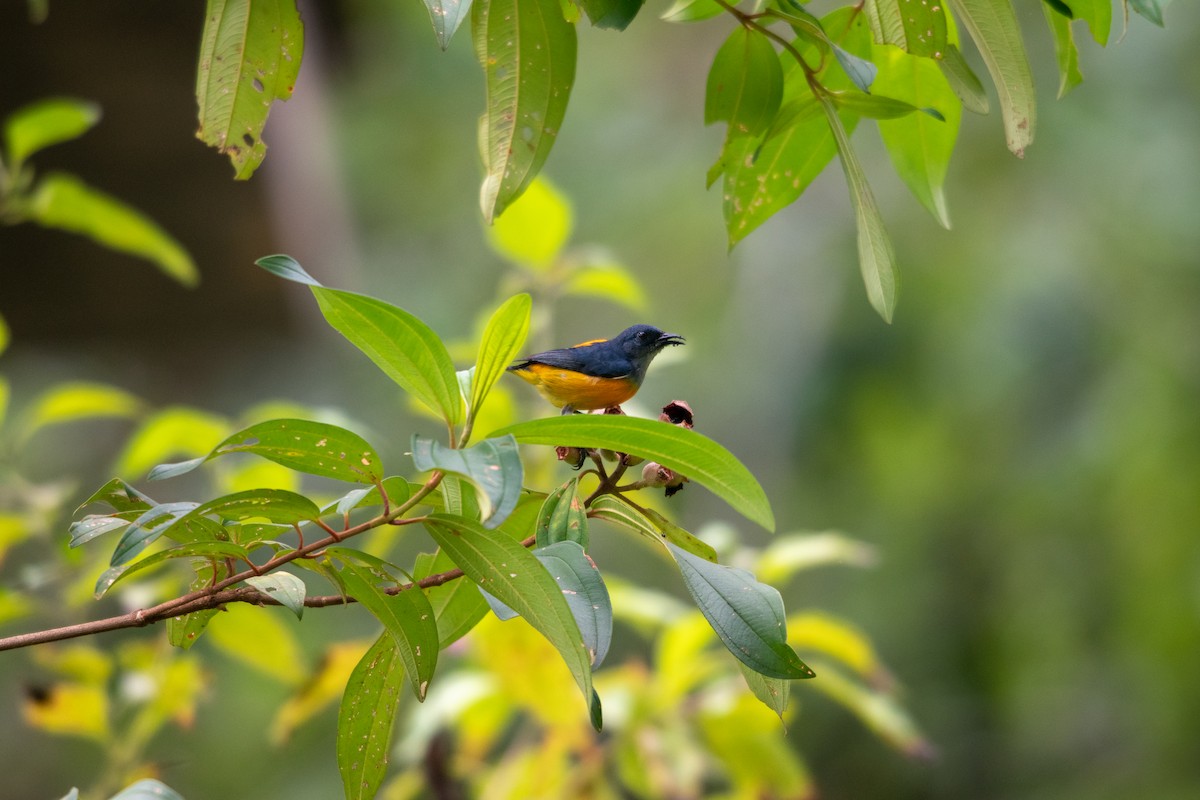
(643,342)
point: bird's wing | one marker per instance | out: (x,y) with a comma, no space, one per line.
(590,359)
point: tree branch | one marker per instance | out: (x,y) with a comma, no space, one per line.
(221,593)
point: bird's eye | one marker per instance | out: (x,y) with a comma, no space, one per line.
(646,336)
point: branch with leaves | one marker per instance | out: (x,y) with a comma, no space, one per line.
(527,551)
(791,88)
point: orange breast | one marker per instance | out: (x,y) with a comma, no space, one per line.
(565,387)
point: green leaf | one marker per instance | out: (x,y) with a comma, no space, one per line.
(963,81)
(149,526)
(68,402)
(44,123)
(288,268)
(692,11)
(919,145)
(535,228)
(615,14)
(458,605)
(397,489)
(446,16)
(860,71)
(585,592)
(493,466)
(95,525)
(876,259)
(745,84)
(249,57)
(120,496)
(284,587)
(1059,7)
(772,692)
(514,576)
(763,177)
(502,340)
(993,27)
(747,615)
(185,630)
(651,524)
(407,615)
(274,505)
(1065,51)
(315,448)
(875,106)
(147,789)
(1150,9)
(193,550)
(689,453)
(562,518)
(527,50)
(367,717)
(67,203)
(1098,16)
(671,533)
(917,28)
(401,345)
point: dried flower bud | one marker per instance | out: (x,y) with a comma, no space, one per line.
(677,412)
(571,455)
(655,474)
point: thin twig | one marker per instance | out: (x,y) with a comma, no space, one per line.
(220,593)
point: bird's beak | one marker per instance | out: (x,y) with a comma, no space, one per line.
(670,338)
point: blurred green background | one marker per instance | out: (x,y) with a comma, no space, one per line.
(1022,446)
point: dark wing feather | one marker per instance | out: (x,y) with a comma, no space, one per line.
(600,360)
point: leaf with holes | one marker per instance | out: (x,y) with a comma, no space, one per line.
(406,615)
(528,52)
(315,448)
(284,587)
(367,717)
(250,54)
(514,575)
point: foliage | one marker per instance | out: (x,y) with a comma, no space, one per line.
(527,551)
(789,86)
(62,201)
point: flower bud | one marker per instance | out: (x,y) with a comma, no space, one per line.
(571,455)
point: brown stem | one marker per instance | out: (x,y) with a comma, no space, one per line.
(221,592)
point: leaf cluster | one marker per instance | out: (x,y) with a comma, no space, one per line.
(527,552)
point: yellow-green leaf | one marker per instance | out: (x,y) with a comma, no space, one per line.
(502,340)
(876,258)
(44,123)
(993,27)
(67,203)
(535,227)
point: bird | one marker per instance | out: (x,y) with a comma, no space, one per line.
(595,374)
